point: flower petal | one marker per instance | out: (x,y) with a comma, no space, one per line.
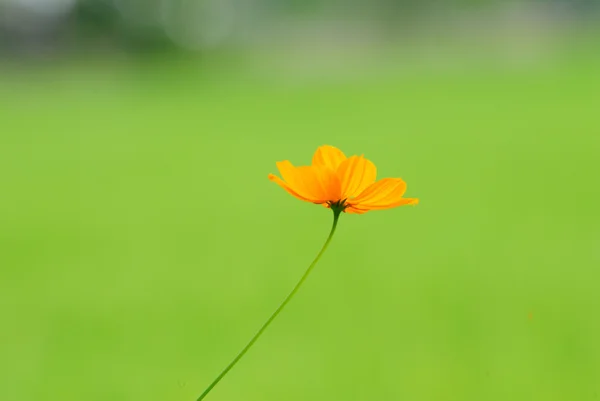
(328,156)
(356,173)
(402,202)
(353,210)
(293,179)
(312,184)
(299,180)
(285,186)
(328,182)
(384,194)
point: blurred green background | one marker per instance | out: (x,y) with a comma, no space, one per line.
(141,244)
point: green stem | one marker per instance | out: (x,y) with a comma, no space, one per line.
(336,215)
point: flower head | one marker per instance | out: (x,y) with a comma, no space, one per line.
(340,182)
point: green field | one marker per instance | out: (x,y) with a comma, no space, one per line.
(141,244)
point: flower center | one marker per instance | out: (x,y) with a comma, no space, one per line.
(338,206)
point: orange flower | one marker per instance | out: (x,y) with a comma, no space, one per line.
(342,183)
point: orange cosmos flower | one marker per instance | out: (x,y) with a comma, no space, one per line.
(342,183)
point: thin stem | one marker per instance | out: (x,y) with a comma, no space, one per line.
(336,215)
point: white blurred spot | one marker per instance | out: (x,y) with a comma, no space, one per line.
(33,17)
(47,7)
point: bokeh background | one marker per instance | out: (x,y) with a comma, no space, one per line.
(141,244)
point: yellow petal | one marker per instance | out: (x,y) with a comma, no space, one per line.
(402,202)
(321,182)
(328,156)
(285,186)
(296,180)
(356,173)
(316,185)
(289,174)
(383,194)
(353,210)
